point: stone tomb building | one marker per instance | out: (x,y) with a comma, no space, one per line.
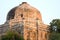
(26,20)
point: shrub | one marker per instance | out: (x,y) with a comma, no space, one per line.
(12,35)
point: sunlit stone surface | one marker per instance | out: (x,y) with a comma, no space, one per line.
(27,20)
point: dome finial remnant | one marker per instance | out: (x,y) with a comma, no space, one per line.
(24,2)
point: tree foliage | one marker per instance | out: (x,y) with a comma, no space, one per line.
(54,36)
(55,23)
(55,29)
(11,35)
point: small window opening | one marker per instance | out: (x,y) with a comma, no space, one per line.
(21,15)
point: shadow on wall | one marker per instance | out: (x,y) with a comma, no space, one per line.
(11,14)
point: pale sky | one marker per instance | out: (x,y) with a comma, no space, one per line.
(50,9)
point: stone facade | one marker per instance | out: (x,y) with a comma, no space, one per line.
(27,20)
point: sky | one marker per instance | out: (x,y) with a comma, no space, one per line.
(50,9)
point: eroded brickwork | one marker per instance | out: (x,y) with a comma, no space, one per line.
(30,21)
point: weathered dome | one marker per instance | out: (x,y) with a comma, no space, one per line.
(24,8)
(27,21)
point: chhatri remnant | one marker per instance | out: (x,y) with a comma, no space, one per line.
(27,20)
